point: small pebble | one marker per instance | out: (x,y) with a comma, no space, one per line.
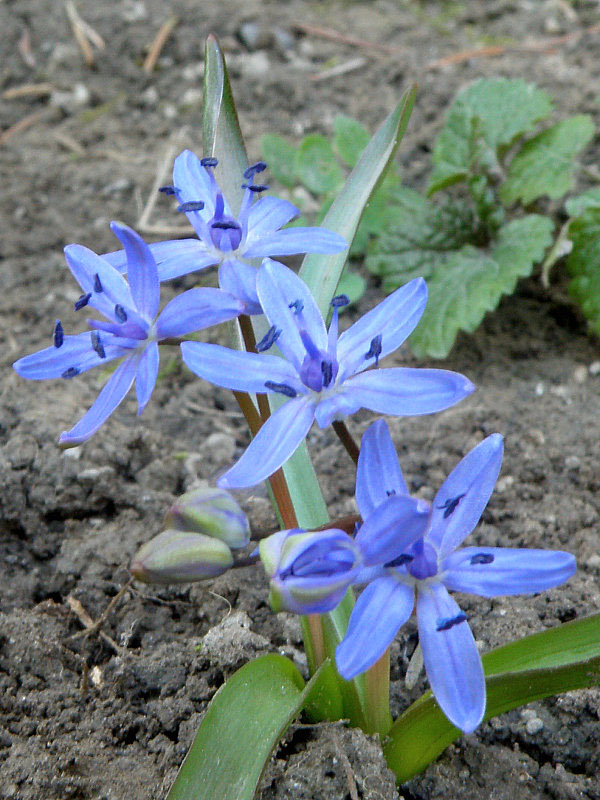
(504,483)
(594,561)
(72,101)
(254,65)
(540,389)
(580,374)
(572,462)
(534,725)
(254,36)
(594,368)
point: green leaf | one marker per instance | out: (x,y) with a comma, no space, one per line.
(473,281)
(280,157)
(316,165)
(538,666)
(546,164)
(575,206)
(378,214)
(243,723)
(420,237)
(322,272)
(352,285)
(583,264)
(499,111)
(350,139)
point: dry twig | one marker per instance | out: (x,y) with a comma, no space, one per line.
(46,114)
(84,34)
(28,90)
(24,48)
(88,623)
(335,36)
(159,42)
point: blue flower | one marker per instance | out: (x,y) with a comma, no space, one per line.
(418,551)
(228,240)
(133,330)
(321,377)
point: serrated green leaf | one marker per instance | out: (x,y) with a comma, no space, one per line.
(548,663)
(472,282)
(506,109)
(546,164)
(350,139)
(420,237)
(280,156)
(316,165)
(575,206)
(583,264)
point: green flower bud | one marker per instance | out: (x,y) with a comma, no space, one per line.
(180,557)
(212,512)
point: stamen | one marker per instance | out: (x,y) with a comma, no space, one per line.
(268,339)
(120,313)
(482,558)
(71,372)
(168,190)
(82,301)
(326,372)
(223,225)
(209,161)
(97,284)
(450,622)
(297,306)
(97,344)
(400,561)
(59,335)
(191,205)
(255,187)
(390,492)
(450,505)
(281,388)
(375,349)
(339,301)
(254,169)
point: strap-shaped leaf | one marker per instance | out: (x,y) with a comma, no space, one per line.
(538,666)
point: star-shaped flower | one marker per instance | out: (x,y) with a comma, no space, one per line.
(321,377)
(412,546)
(228,240)
(132,332)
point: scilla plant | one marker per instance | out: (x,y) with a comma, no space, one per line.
(289,367)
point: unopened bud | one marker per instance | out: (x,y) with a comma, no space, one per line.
(212,512)
(180,557)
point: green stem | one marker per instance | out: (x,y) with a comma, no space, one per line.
(377,690)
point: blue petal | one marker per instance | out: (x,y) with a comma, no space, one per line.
(109,398)
(239,279)
(145,377)
(75,351)
(141,270)
(407,392)
(383,607)
(173,258)
(275,442)
(269,214)
(378,473)
(237,370)
(195,310)
(495,571)
(291,241)
(192,182)
(277,288)
(85,265)
(460,501)
(393,319)
(391,528)
(335,407)
(451,659)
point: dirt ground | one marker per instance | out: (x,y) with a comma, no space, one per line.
(111,716)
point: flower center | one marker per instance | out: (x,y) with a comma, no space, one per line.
(225,231)
(424,563)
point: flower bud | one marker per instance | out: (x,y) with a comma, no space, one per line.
(212,512)
(180,557)
(309,572)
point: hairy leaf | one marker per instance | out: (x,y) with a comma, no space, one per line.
(584,264)
(280,156)
(575,206)
(350,139)
(316,165)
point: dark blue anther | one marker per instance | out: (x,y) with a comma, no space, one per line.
(82,301)
(254,169)
(400,561)
(71,372)
(449,505)
(97,345)
(390,492)
(59,335)
(224,225)
(326,372)
(297,306)
(482,558)
(120,313)
(209,161)
(281,388)
(450,622)
(255,187)
(268,339)
(339,301)
(191,205)
(357,526)
(97,284)
(168,190)
(375,349)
